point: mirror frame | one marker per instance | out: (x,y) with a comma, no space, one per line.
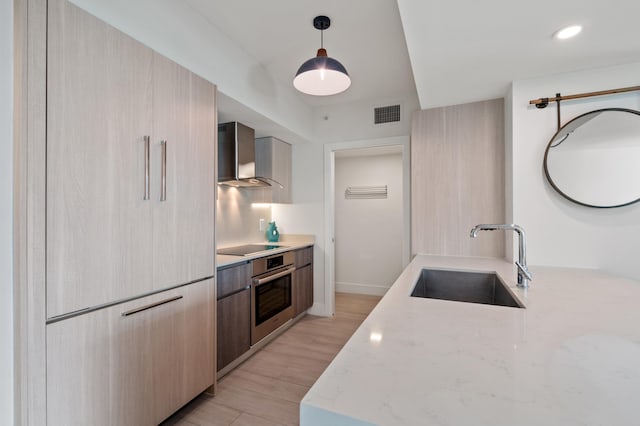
(546,154)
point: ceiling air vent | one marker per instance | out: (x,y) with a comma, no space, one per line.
(386,114)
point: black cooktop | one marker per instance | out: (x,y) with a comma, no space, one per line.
(248,249)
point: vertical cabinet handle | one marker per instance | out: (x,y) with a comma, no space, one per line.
(147,181)
(163,189)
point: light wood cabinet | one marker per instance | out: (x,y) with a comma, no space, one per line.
(274,162)
(303,281)
(184,117)
(105,93)
(233,313)
(133,363)
(98,110)
(126,219)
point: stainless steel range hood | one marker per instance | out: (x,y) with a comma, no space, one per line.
(237,156)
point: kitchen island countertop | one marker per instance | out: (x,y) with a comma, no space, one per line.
(571,357)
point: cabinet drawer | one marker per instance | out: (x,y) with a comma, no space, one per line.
(234,279)
(134,363)
(304,257)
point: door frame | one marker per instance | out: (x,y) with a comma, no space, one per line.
(329,205)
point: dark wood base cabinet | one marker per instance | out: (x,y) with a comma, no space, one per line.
(234,306)
(302,289)
(234,327)
(234,313)
(303,281)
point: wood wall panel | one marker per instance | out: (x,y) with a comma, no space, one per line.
(457,179)
(30,85)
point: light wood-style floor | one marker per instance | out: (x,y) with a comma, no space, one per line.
(266,389)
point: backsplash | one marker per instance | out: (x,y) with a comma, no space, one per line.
(237,221)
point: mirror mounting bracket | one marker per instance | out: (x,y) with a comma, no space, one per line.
(542,103)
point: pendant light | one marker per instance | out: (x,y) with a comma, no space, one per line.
(322,75)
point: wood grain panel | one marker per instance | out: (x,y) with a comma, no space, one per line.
(302,289)
(233,327)
(104,368)
(233,279)
(304,257)
(457,179)
(184,116)
(197,370)
(98,110)
(30,71)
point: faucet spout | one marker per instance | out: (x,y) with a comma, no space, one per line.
(524,275)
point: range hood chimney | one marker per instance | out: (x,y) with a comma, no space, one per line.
(237,156)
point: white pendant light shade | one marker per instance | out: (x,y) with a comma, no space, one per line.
(322,75)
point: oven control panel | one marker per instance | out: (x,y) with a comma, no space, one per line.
(266,264)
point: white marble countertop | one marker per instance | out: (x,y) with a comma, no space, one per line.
(572,357)
(291,242)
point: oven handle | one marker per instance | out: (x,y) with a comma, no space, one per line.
(264,280)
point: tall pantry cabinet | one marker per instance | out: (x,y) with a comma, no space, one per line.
(130,247)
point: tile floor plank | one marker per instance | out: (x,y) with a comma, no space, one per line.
(249,420)
(267,385)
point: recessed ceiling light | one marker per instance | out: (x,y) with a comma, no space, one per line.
(568,32)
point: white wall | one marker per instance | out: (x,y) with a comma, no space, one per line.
(355,121)
(369,232)
(561,233)
(306,215)
(6,213)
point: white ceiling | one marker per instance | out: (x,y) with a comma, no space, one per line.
(458,51)
(463,51)
(365,36)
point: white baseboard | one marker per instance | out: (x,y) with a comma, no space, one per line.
(357,288)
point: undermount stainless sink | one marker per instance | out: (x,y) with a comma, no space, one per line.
(460,286)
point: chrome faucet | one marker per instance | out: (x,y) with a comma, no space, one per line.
(524,275)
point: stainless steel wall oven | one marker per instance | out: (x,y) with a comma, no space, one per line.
(271,294)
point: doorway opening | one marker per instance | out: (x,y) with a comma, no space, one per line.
(367,217)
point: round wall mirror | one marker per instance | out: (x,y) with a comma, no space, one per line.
(594,159)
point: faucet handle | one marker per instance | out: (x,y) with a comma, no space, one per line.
(525,271)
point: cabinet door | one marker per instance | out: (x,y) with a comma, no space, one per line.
(100,366)
(184,116)
(302,289)
(233,327)
(131,364)
(282,171)
(98,112)
(195,346)
(274,161)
